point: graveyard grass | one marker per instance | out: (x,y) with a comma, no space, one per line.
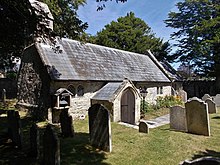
(160,147)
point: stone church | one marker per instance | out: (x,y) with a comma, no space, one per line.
(83,69)
(76,75)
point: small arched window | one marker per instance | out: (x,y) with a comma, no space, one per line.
(80,90)
(72,89)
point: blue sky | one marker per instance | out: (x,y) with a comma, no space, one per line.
(153,12)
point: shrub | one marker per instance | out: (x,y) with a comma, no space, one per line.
(161,102)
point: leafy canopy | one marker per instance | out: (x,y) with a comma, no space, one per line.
(197,24)
(19,24)
(131,34)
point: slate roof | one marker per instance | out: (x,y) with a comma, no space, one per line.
(108,91)
(84,61)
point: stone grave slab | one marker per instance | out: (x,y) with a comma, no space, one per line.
(197,117)
(51,147)
(217,100)
(178,118)
(143,127)
(34,141)
(66,123)
(211,106)
(100,127)
(14,127)
(206,96)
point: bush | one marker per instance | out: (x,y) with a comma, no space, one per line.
(161,102)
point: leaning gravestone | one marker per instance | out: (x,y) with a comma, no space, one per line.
(197,117)
(206,96)
(217,100)
(66,122)
(211,106)
(143,127)
(14,128)
(34,141)
(100,127)
(178,118)
(51,147)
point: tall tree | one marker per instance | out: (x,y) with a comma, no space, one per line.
(197,24)
(19,24)
(132,34)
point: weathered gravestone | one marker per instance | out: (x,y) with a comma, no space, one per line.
(197,117)
(66,123)
(183,95)
(178,118)
(202,161)
(14,128)
(143,127)
(206,96)
(51,147)
(100,127)
(4,96)
(211,106)
(34,141)
(217,100)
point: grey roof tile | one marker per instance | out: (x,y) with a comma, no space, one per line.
(80,61)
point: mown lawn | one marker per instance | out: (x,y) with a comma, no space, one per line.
(160,147)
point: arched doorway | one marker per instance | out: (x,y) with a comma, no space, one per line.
(128,107)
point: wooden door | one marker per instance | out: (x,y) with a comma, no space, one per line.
(128,107)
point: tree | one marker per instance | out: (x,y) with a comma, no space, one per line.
(19,24)
(197,24)
(131,34)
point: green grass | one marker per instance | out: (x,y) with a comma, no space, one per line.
(129,147)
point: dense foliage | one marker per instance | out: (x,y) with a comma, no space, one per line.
(197,24)
(19,24)
(132,34)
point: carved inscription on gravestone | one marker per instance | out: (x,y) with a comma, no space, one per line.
(100,127)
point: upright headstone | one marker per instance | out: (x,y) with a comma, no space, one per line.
(217,100)
(4,96)
(211,106)
(206,96)
(100,127)
(143,127)
(197,117)
(34,141)
(51,147)
(14,127)
(66,122)
(178,118)
(183,95)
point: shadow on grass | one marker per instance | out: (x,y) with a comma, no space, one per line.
(207,153)
(77,150)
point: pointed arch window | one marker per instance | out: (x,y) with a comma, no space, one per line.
(80,90)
